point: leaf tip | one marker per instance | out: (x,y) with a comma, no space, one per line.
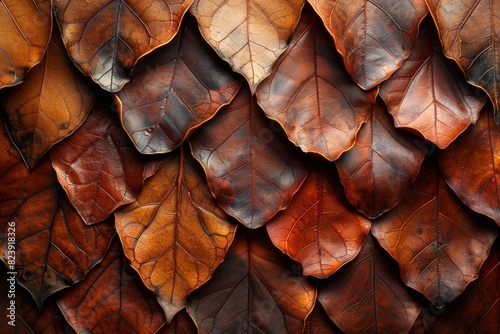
(169,309)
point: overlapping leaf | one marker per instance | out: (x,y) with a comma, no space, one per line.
(471,166)
(173,91)
(311,95)
(255,290)
(52,102)
(24,36)
(374,174)
(111,300)
(367,295)
(319,323)
(470,35)
(429,95)
(252,169)
(173,233)
(373,36)
(106,38)
(181,324)
(438,242)
(248,34)
(99,167)
(319,228)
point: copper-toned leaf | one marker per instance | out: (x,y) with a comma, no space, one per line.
(181,324)
(255,290)
(98,166)
(174,234)
(429,95)
(311,95)
(378,172)
(173,91)
(106,38)
(52,102)
(470,35)
(319,228)
(318,322)
(248,34)
(438,242)
(373,36)
(252,169)
(471,166)
(111,299)
(24,35)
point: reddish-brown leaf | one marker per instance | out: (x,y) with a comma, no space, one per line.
(319,228)
(252,170)
(181,324)
(98,166)
(311,95)
(51,104)
(111,299)
(318,322)
(255,290)
(106,38)
(248,34)
(374,173)
(471,166)
(174,233)
(429,95)
(24,35)
(470,35)
(367,295)
(438,242)
(173,91)
(373,36)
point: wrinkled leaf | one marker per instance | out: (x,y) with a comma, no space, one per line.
(111,300)
(438,242)
(181,324)
(252,169)
(173,91)
(248,34)
(374,174)
(51,104)
(471,166)
(429,95)
(470,35)
(173,233)
(319,228)
(311,95)
(106,38)
(98,166)
(255,290)
(373,36)
(24,35)
(367,295)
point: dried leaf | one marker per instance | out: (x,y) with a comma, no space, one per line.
(311,95)
(319,228)
(106,38)
(248,34)
(173,233)
(319,323)
(181,324)
(252,170)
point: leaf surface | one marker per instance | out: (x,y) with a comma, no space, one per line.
(318,322)
(181,324)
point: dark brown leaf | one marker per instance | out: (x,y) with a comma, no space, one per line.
(318,322)
(181,324)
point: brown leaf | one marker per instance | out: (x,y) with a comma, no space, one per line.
(255,290)
(173,233)
(311,95)
(106,38)
(248,34)
(173,91)
(374,173)
(318,322)
(471,166)
(470,35)
(429,95)
(24,36)
(438,242)
(252,170)
(181,324)
(319,228)
(111,300)
(373,36)
(98,166)
(51,104)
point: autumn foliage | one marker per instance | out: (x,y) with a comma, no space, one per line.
(260,166)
